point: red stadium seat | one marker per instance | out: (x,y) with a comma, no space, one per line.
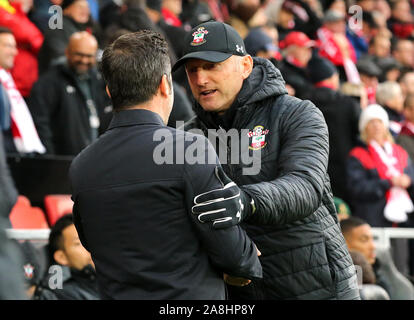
(57,205)
(24,216)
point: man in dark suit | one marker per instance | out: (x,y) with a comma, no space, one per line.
(135,197)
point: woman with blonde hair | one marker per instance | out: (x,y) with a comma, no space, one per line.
(379,173)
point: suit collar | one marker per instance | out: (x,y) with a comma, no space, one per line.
(135,117)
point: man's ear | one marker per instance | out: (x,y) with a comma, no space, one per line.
(107,91)
(60,257)
(165,86)
(247,66)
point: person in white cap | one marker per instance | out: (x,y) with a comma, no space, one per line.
(379,173)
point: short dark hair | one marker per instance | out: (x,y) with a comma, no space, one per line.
(133,66)
(351,223)
(56,235)
(5,30)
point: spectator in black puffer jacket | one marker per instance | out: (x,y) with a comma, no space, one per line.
(71,275)
(288,210)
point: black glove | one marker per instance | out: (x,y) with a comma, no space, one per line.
(226,206)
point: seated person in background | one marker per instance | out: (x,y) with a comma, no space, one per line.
(358,237)
(71,275)
(368,289)
(69,104)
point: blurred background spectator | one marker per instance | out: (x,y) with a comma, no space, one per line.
(69,104)
(341,114)
(76,17)
(71,274)
(358,237)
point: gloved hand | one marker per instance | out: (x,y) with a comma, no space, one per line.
(226,206)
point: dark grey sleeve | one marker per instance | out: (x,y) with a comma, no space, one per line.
(302,168)
(230,250)
(8,192)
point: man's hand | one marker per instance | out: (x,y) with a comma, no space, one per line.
(226,206)
(402,181)
(238,281)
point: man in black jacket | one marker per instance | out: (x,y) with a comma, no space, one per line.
(76,17)
(341,114)
(297,51)
(287,201)
(69,104)
(135,190)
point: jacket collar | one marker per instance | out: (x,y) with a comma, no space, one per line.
(134,117)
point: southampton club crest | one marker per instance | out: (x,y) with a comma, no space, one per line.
(199,36)
(258,136)
(28,271)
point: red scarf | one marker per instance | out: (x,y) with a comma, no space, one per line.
(407,129)
(24,132)
(390,161)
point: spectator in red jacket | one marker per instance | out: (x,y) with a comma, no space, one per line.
(335,46)
(401,22)
(29,40)
(171,10)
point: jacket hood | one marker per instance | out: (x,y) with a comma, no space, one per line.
(264,82)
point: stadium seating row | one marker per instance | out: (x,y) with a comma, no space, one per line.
(24,216)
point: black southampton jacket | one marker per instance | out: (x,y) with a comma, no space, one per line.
(135,217)
(60,112)
(304,255)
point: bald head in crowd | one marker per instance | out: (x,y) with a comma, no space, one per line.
(81,52)
(406,82)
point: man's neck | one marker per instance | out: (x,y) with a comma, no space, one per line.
(153,106)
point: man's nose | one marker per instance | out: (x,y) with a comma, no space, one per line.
(201,78)
(372,245)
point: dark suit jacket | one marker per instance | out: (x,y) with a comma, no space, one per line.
(135,217)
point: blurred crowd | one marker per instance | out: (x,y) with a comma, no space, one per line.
(354,59)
